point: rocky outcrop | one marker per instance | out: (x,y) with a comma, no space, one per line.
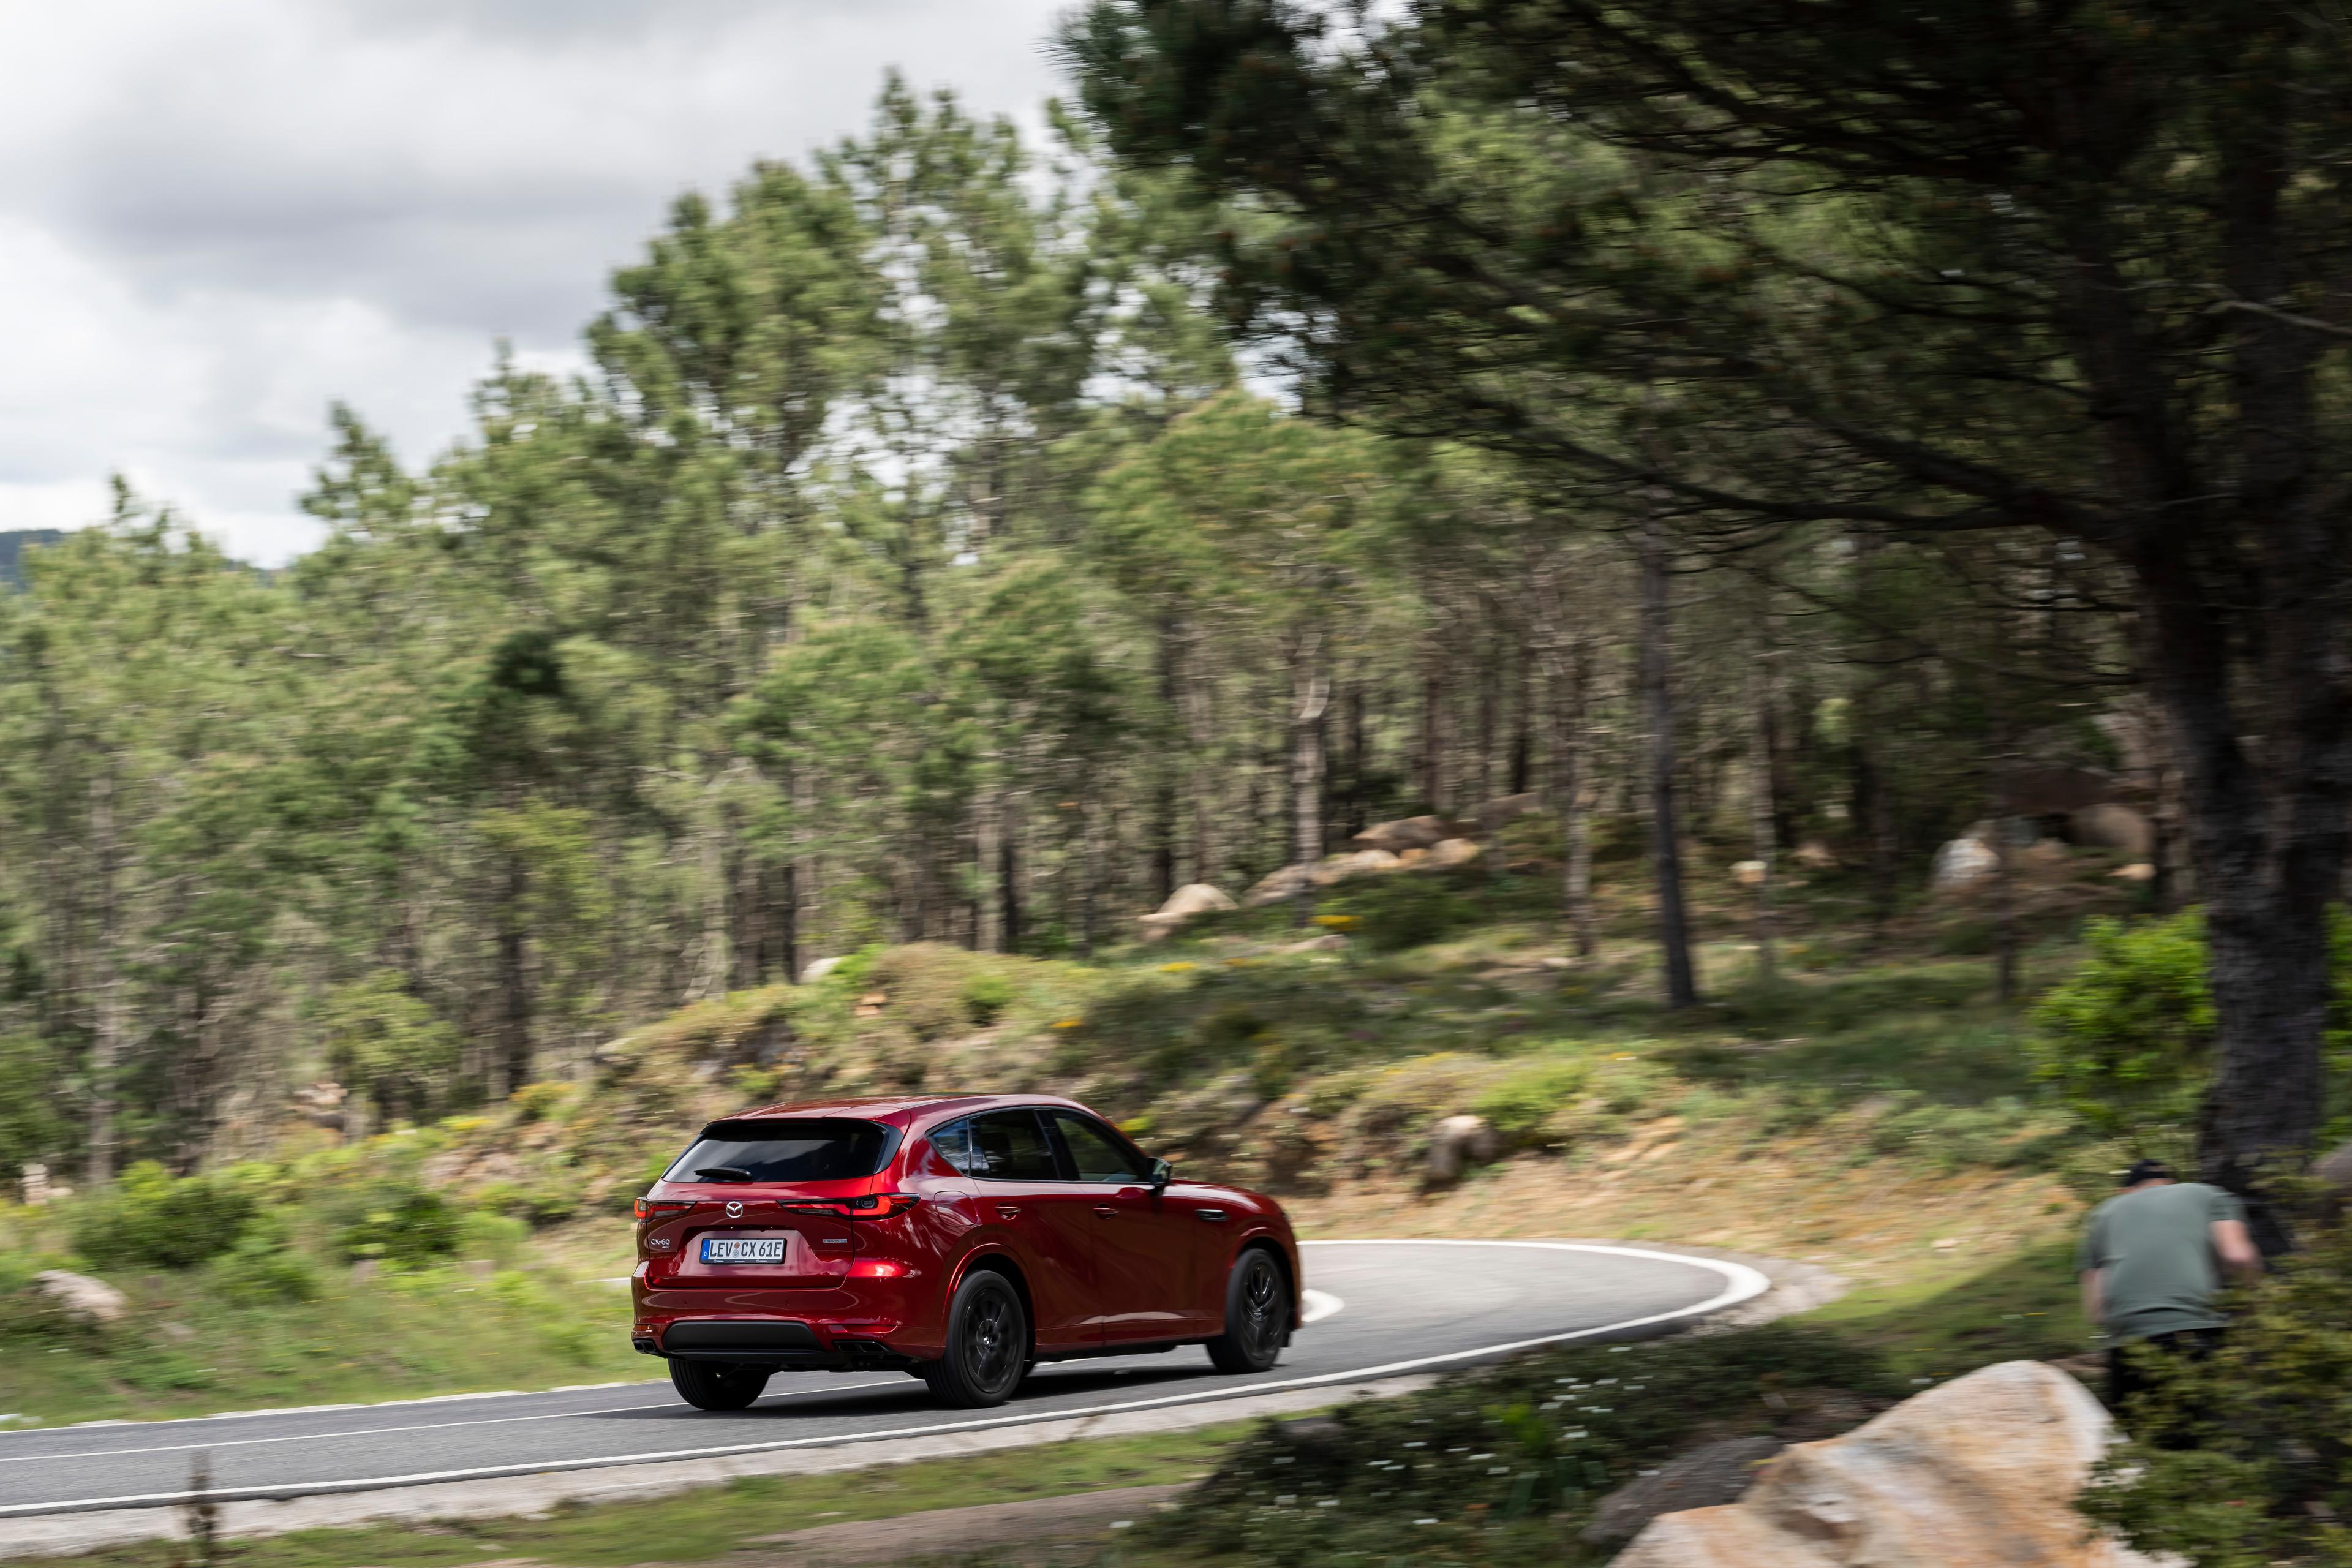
(1979,1473)
(1362,863)
(2111,827)
(81,1297)
(1448,853)
(1962,863)
(1492,817)
(1192,898)
(1285,883)
(1458,1143)
(1409,833)
(1705,1478)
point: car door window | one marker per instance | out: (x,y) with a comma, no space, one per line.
(1099,1155)
(1012,1146)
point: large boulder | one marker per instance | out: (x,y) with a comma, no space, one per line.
(1362,863)
(1962,863)
(1288,882)
(1492,817)
(1409,833)
(1458,1143)
(1192,898)
(1448,853)
(1703,1478)
(1979,1473)
(2111,827)
(81,1297)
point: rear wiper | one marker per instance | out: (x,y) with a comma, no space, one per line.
(723,1173)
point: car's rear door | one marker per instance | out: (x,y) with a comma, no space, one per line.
(1146,1257)
(1018,1187)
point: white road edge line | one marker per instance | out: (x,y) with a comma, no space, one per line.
(70,1454)
(1741,1283)
(322,1409)
(1314,1305)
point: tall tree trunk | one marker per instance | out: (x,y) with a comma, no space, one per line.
(1432,732)
(1008,872)
(106,1031)
(2269,858)
(1760,802)
(1569,679)
(1163,769)
(1658,708)
(1204,782)
(514,1064)
(1523,729)
(1311,693)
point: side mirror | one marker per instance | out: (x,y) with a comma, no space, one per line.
(1163,1172)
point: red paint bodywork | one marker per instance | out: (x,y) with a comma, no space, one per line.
(1102,1265)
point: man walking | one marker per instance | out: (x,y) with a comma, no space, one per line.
(2152,1264)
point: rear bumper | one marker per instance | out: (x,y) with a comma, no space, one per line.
(778,1343)
(817,1330)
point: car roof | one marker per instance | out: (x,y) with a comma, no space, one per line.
(900,1107)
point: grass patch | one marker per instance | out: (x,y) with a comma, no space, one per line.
(705,1526)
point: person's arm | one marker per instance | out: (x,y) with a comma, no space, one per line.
(2093,1281)
(2235,1247)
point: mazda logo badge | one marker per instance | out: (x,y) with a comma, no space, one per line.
(734,1208)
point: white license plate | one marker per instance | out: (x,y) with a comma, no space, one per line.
(743,1249)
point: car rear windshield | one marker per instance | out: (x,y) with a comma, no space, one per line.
(799,1149)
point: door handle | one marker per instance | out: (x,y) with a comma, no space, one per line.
(1008,1211)
(1108,1210)
(1214,1216)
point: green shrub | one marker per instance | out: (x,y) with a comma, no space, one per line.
(157,1220)
(986,996)
(1408,910)
(2268,1475)
(499,1238)
(542,1101)
(406,1226)
(1523,1102)
(2127,1038)
(262,1268)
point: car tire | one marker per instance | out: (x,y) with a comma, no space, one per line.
(1257,1314)
(718,1385)
(988,1345)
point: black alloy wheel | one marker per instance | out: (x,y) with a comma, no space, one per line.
(988,1343)
(718,1385)
(1257,1315)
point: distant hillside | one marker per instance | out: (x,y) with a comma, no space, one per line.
(12,550)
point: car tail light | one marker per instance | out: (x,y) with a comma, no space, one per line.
(878,1269)
(647,1209)
(874,1205)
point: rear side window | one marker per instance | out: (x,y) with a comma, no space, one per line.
(1005,1146)
(785,1149)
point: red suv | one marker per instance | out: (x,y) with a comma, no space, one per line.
(962,1238)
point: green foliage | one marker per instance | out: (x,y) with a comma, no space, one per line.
(385,1042)
(31,1096)
(264,1269)
(1395,914)
(156,1220)
(406,1226)
(2245,1460)
(2127,1038)
(1520,1104)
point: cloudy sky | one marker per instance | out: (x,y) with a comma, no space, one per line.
(218,217)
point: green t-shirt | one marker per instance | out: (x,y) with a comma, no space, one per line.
(2156,1247)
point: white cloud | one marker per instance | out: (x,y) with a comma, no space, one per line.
(215,219)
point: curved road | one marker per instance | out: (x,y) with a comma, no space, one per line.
(1380,1308)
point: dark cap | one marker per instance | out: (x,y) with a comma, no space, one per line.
(2147,1171)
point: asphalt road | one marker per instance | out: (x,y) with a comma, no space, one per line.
(1380,1309)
